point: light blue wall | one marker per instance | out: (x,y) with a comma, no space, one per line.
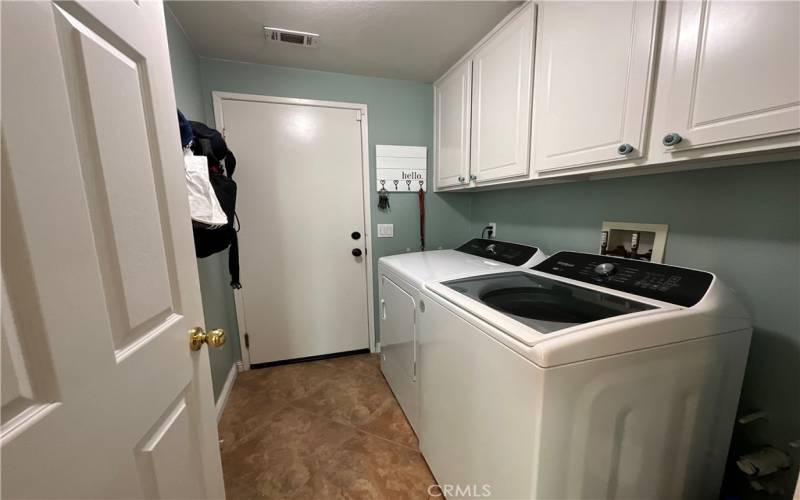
(218,305)
(185,70)
(400,112)
(742,223)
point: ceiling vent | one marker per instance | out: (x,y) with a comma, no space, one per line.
(301,38)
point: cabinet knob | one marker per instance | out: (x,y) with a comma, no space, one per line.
(460,178)
(671,139)
(473,177)
(625,149)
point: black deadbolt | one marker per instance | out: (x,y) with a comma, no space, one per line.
(356,252)
(355,235)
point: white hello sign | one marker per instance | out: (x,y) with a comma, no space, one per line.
(401,168)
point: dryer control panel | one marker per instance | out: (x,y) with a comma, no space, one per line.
(501,251)
(676,285)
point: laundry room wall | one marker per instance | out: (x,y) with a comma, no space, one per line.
(218,304)
(742,223)
(400,112)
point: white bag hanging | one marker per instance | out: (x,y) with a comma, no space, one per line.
(203,203)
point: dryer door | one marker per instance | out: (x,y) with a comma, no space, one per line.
(397,327)
(399,346)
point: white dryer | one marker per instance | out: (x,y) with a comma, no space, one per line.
(586,377)
(403,276)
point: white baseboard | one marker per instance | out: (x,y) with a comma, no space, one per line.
(226,390)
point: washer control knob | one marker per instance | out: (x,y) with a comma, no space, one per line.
(605,269)
(491,249)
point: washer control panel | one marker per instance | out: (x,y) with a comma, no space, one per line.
(676,285)
(501,251)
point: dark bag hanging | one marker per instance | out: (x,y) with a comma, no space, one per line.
(221,164)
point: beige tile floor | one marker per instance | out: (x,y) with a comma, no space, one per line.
(318,430)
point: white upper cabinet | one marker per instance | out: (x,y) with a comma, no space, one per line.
(452,134)
(501,101)
(731,73)
(621,85)
(594,66)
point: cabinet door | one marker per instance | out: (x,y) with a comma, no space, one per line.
(452,108)
(501,101)
(593,77)
(735,74)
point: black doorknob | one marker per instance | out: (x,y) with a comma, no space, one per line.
(355,235)
(356,252)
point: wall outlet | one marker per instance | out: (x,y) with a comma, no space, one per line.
(385,230)
(493,225)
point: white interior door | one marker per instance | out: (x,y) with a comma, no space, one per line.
(735,74)
(502,71)
(300,199)
(452,96)
(593,79)
(101,396)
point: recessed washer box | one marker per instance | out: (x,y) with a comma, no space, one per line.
(633,240)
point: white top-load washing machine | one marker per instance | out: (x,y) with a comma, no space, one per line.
(585,377)
(403,276)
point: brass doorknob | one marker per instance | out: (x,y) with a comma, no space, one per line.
(197,337)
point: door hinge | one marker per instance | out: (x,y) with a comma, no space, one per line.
(359,114)
(414,369)
(247,341)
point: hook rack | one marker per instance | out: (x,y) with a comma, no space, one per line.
(398,166)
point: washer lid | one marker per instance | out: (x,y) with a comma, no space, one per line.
(544,304)
(477,256)
(433,265)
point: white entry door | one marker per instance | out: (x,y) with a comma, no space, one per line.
(101,396)
(303,241)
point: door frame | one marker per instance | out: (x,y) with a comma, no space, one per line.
(217,98)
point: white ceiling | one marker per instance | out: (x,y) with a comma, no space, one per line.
(410,40)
